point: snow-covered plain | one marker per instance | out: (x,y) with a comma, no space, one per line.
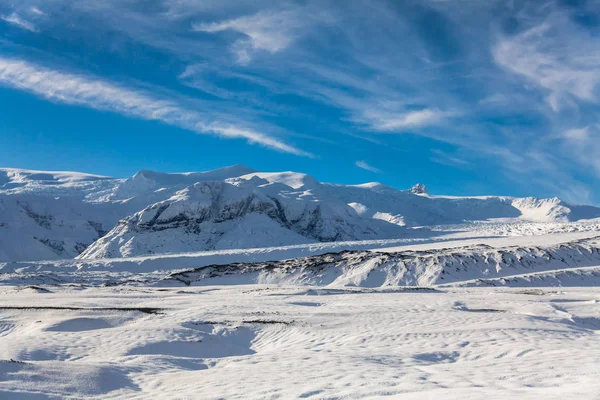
(235,284)
(280,342)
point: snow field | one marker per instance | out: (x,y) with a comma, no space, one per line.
(274,342)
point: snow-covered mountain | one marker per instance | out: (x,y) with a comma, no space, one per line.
(235,214)
(50,215)
(54,215)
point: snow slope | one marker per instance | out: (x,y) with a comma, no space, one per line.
(51,183)
(491,261)
(43,227)
(57,215)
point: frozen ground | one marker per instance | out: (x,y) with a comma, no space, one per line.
(269,342)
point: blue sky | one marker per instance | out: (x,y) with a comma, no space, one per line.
(466,96)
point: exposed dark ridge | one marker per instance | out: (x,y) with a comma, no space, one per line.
(145,310)
(246,321)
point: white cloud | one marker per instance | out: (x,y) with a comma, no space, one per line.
(37,11)
(364,165)
(556,56)
(388,121)
(102,95)
(268,31)
(18,21)
(578,134)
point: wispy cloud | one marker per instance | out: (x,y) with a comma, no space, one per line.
(16,20)
(36,11)
(366,166)
(556,55)
(441,157)
(269,31)
(391,122)
(583,146)
(508,84)
(577,134)
(102,95)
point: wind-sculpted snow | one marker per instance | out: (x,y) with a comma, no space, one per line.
(288,342)
(56,215)
(585,276)
(408,268)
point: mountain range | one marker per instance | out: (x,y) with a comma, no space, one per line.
(61,215)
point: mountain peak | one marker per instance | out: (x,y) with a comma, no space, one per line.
(294,180)
(420,189)
(237,170)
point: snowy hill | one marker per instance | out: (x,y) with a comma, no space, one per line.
(57,215)
(479,264)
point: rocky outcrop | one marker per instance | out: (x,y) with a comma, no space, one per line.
(419,188)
